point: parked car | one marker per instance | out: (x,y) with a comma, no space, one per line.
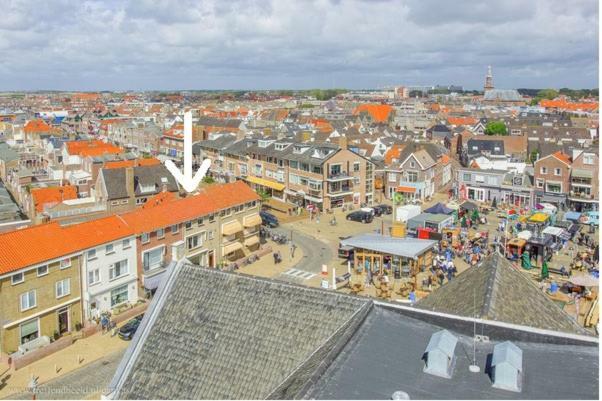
(384,209)
(127,331)
(268,219)
(361,215)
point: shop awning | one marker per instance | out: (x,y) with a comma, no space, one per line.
(252,240)
(409,190)
(266,183)
(231,228)
(235,246)
(253,220)
(152,282)
(581,173)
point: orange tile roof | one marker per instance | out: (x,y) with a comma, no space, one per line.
(564,105)
(44,196)
(214,197)
(37,244)
(92,148)
(562,157)
(131,163)
(36,126)
(461,120)
(379,112)
(393,153)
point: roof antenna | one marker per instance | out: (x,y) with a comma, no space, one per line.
(474,368)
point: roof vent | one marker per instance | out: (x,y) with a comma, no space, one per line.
(439,354)
(507,367)
(400,395)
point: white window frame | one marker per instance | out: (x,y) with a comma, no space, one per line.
(91,255)
(43,274)
(65,290)
(175,229)
(126,244)
(65,263)
(160,233)
(557,172)
(112,269)
(12,278)
(109,249)
(29,306)
(95,276)
(543,170)
(145,238)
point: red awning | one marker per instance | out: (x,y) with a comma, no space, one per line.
(410,190)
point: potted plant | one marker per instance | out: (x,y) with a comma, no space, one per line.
(56,335)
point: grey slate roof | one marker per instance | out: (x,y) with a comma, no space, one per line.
(114,180)
(495,290)
(216,335)
(7,154)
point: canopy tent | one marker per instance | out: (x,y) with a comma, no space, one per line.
(557,232)
(572,216)
(539,217)
(468,206)
(439,208)
(526,235)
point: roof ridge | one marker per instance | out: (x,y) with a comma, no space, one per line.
(491,290)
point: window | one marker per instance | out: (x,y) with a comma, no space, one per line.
(125,243)
(109,249)
(28,300)
(211,217)
(42,270)
(392,177)
(238,209)
(200,222)
(557,172)
(553,187)
(124,202)
(118,269)
(30,330)
(17,278)
(539,183)
(188,225)
(543,170)
(211,234)
(479,178)
(412,176)
(93,276)
(65,263)
(174,229)
(145,238)
(192,242)
(588,159)
(152,259)
(412,164)
(114,203)
(63,288)
(92,254)
(466,177)
(161,233)
(119,295)
(356,167)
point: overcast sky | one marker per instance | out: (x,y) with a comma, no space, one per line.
(195,44)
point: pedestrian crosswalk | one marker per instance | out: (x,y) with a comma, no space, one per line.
(299,274)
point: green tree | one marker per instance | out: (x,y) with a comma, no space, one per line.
(496,128)
(264,195)
(208,179)
(533,156)
(547,94)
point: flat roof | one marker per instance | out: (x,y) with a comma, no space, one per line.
(405,247)
(385,355)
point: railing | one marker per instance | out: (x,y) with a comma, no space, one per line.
(339,176)
(76,211)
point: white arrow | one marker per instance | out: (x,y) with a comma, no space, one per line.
(187,180)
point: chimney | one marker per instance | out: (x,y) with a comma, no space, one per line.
(129,181)
(343,142)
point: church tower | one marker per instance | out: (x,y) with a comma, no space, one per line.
(488,80)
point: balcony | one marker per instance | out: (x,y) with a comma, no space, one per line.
(339,176)
(343,190)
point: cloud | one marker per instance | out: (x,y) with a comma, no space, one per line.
(169,44)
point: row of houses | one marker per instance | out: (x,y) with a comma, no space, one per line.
(326,175)
(569,181)
(55,279)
